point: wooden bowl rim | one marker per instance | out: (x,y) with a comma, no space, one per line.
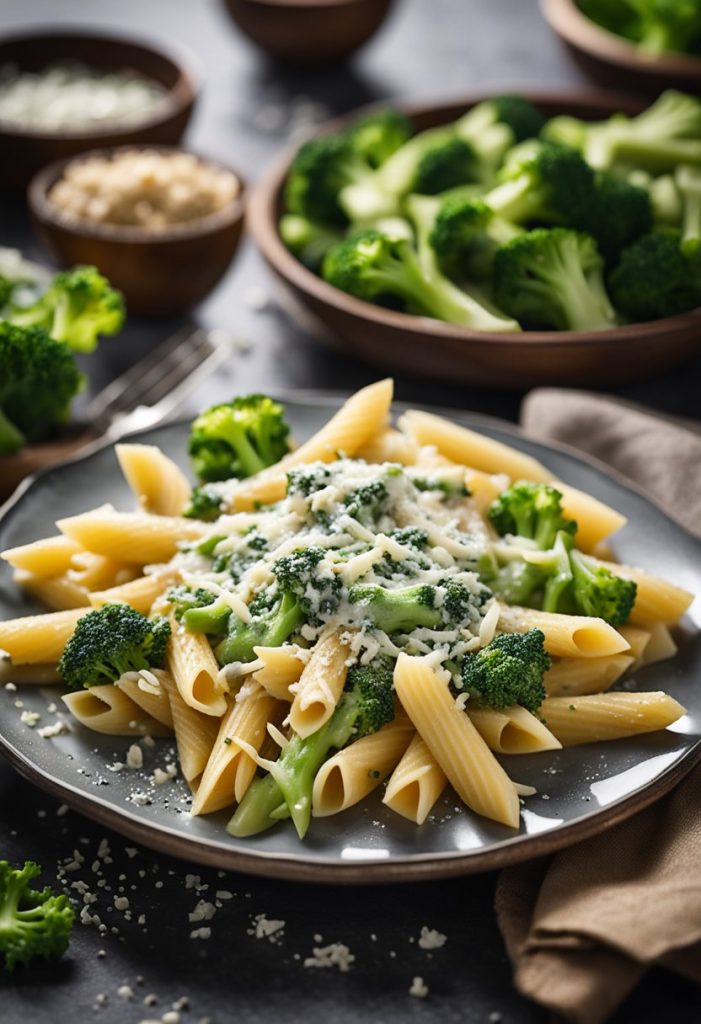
(182,94)
(50,215)
(262,224)
(569,22)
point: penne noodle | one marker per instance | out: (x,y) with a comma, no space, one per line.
(140,593)
(512,730)
(142,691)
(49,557)
(347,777)
(97,572)
(195,734)
(282,667)
(574,676)
(475,774)
(608,716)
(108,710)
(661,645)
(595,520)
(566,636)
(655,599)
(320,685)
(134,537)
(157,483)
(416,783)
(484,487)
(389,446)
(57,592)
(195,671)
(39,639)
(638,639)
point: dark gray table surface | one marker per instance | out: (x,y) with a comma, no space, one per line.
(426,50)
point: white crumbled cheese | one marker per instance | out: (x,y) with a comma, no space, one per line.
(10,687)
(171,1017)
(116,766)
(160,776)
(183,1003)
(125,992)
(30,718)
(203,911)
(135,756)
(121,902)
(418,989)
(431,939)
(336,954)
(223,894)
(201,933)
(61,810)
(461,700)
(47,732)
(151,999)
(266,928)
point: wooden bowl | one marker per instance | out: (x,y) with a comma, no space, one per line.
(431,348)
(308,31)
(160,272)
(614,61)
(24,152)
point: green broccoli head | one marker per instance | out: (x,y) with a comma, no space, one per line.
(304,481)
(532,510)
(238,438)
(396,611)
(33,922)
(544,182)
(367,503)
(466,235)
(657,277)
(411,536)
(39,378)
(553,278)
(617,214)
(376,137)
(78,307)
(599,592)
(111,641)
(445,166)
(508,671)
(307,239)
(320,170)
(664,25)
(368,691)
(524,120)
(6,289)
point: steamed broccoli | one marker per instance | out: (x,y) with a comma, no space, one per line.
(205,503)
(365,706)
(111,641)
(321,168)
(466,235)
(199,610)
(542,182)
(508,671)
(273,620)
(666,134)
(657,276)
(78,307)
(688,182)
(515,113)
(376,268)
(33,922)
(38,380)
(531,510)
(396,611)
(665,201)
(308,240)
(238,438)
(298,574)
(379,135)
(616,214)
(444,167)
(599,592)
(553,278)
(655,25)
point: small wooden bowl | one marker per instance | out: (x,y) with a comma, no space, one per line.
(611,60)
(24,152)
(431,348)
(160,272)
(309,32)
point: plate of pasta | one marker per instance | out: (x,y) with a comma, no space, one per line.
(369,643)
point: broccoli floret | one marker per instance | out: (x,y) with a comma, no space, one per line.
(367,503)
(512,579)
(668,133)
(448,487)
(396,611)
(553,278)
(271,623)
(531,510)
(665,201)
(599,592)
(616,215)
(78,307)
(444,167)
(657,277)
(466,235)
(508,671)
(663,25)
(307,480)
(376,268)
(411,536)
(365,706)
(238,438)
(688,182)
(494,126)
(319,171)
(199,610)
(38,380)
(33,922)
(542,182)
(7,287)
(457,602)
(318,593)
(205,503)
(308,240)
(376,137)
(111,641)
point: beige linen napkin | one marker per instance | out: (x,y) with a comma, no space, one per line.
(583,927)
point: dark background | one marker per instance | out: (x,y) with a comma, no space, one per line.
(428,49)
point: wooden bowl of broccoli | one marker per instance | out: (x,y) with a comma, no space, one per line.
(496,241)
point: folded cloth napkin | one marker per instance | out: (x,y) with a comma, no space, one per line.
(582,928)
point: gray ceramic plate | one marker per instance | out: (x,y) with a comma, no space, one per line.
(581,791)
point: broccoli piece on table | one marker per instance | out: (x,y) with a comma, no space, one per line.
(553,278)
(531,510)
(657,276)
(307,239)
(365,706)
(111,641)
(273,620)
(599,592)
(542,182)
(396,611)
(508,671)
(38,380)
(688,182)
(78,307)
(33,922)
(238,438)
(466,235)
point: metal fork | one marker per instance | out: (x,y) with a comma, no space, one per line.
(155,387)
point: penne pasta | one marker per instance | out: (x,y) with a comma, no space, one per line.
(108,710)
(347,777)
(38,639)
(52,556)
(135,537)
(475,774)
(574,676)
(282,667)
(97,572)
(140,593)
(195,670)
(147,690)
(608,716)
(595,520)
(320,685)
(159,486)
(512,730)
(57,592)
(566,636)
(416,783)
(389,446)
(661,645)
(638,639)
(655,599)
(195,734)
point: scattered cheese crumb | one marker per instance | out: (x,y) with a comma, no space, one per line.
(125,992)
(135,756)
(336,954)
(203,911)
(431,939)
(201,933)
(418,988)
(267,928)
(121,902)
(29,718)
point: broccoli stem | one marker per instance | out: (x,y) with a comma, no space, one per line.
(211,618)
(11,439)
(688,180)
(269,630)
(254,813)
(235,435)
